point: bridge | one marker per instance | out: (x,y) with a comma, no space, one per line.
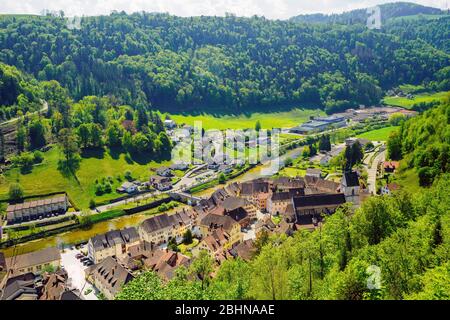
(185,197)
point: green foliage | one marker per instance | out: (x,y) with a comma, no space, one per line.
(15,191)
(424,142)
(210,61)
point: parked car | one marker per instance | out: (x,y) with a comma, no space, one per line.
(79,255)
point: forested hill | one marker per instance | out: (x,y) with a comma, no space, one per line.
(388,11)
(216,63)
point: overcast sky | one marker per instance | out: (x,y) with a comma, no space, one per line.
(274,9)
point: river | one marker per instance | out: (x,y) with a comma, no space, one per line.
(79,235)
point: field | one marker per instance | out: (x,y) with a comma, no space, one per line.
(285,119)
(408,103)
(46,177)
(378,134)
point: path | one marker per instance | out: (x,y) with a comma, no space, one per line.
(372,171)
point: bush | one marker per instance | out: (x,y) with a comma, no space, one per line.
(128,175)
(15,191)
(38,157)
(92,204)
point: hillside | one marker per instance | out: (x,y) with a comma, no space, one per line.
(208,64)
(388,11)
(18,92)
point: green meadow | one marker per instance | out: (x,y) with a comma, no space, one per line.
(378,134)
(418,98)
(95,165)
(283,119)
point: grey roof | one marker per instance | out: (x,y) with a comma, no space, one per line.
(111,274)
(232,203)
(114,237)
(217,221)
(351,179)
(33,258)
(321,199)
(163,221)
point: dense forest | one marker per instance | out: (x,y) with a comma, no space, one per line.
(424,143)
(219,64)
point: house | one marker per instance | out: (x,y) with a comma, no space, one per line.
(164,172)
(391,166)
(309,209)
(161,183)
(169,124)
(115,243)
(108,277)
(22,287)
(232,203)
(127,187)
(214,243)
(165,262)
(350,187)
(351,141)
(34,262)
(239,215)
(278,202)
(244,250)
(54,285)
(316,173)
(36,209)
(162,228)
(389,188)
(265,224)
(261,201)
(211,222)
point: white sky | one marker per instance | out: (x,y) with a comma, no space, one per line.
(274,9)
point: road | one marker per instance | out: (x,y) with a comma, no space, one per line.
(43,109)
(372,170)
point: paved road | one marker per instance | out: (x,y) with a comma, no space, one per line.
(372,170)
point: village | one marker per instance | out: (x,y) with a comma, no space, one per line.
(225,225)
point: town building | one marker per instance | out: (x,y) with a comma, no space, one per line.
(391,166)
(315,173)
(35,262)
(350,187)
(309,209)
(165,262)
(162,228)
(161,183)
(115,243)
(233,203)
(211,222)
(127,187)
(164,172)
(108,277)
(36,209)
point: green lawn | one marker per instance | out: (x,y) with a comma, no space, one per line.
(270,120)
(46,178)
(408,103)
(378,134)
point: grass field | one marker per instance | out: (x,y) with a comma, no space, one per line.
(378,134)
(271,120)
(408,103)
(46,178)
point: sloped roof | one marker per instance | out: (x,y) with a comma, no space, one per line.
(321,199)
(351,179)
